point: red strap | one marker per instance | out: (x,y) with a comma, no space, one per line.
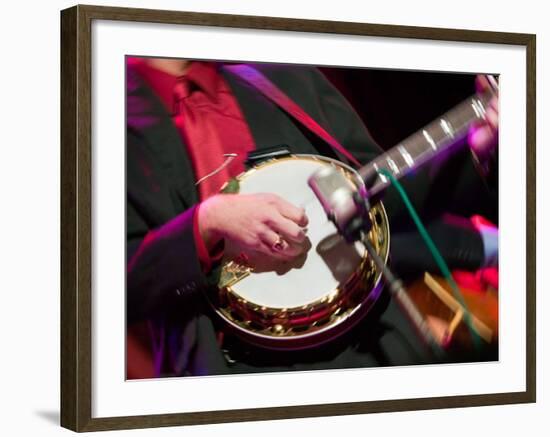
(270,90)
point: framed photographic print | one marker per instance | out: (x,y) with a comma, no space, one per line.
(342,214)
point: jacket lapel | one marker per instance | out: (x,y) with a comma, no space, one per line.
(270,125)
(147,117)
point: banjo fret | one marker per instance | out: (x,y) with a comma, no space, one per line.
(438,137)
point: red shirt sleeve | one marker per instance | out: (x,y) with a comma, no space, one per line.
(205,258)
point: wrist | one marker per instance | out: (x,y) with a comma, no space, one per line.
(209,228)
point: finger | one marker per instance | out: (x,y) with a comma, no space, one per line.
(288,229)
(482,139)
(292,212)
(491,117)
(494,103)
(294,250)
(265,251)
(288,250)
(275,246)
(482,83)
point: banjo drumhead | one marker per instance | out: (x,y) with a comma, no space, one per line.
(329,262)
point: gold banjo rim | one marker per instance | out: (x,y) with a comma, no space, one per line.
(274,326)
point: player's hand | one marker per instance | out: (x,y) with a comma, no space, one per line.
(263,223)
(483,136)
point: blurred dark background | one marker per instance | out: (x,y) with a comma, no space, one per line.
(396,103)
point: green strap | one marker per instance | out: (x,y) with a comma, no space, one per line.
(436,255)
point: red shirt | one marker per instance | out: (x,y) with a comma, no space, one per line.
(211,125)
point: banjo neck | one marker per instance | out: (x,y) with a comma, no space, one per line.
(434,139)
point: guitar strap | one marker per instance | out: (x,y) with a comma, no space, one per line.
(274,93)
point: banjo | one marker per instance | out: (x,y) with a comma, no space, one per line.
(313,299)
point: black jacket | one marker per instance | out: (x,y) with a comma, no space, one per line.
(160,180)
(163,270)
